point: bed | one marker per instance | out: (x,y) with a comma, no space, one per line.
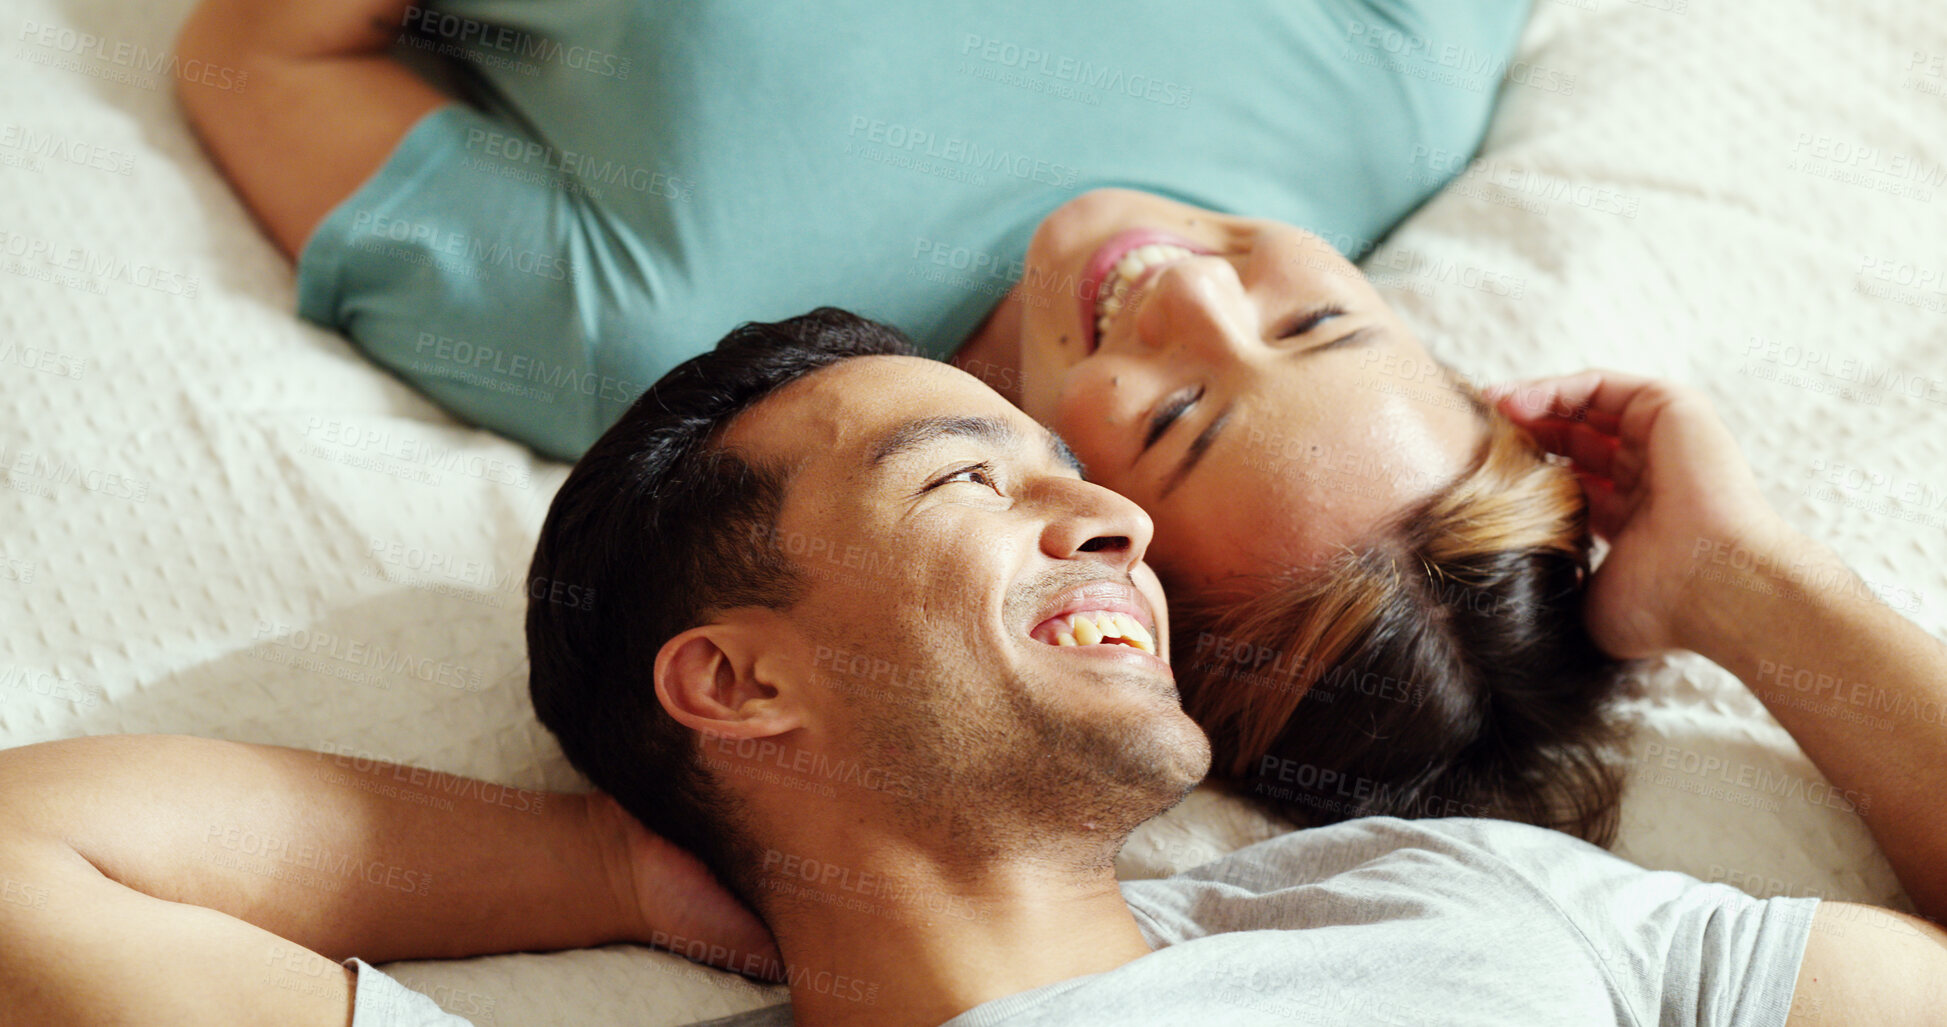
(221,521)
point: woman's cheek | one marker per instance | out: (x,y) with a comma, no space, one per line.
(1086,425)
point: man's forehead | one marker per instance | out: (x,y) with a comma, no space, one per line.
(833,415)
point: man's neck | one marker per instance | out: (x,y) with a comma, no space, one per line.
(906,942)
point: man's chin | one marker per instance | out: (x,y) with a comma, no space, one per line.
(1163,770)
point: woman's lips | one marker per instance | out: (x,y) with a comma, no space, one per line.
(1095,273)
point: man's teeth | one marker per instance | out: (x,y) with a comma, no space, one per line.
(1098,626)
(1115,289)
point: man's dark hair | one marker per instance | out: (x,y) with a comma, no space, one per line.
(657,528)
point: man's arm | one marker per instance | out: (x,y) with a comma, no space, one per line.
(1866,965)
(1803,633)
(1698,560)
(320,109)
(154,878)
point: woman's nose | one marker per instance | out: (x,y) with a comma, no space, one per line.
(1198,305)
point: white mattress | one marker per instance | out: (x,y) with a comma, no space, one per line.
(206,507)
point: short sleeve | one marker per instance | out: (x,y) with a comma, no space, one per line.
(1704,954)
(473,268)
(1679,950)
(381,1001)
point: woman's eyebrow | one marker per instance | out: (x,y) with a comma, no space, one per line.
(1197,448)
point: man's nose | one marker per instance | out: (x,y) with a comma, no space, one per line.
(1094,523)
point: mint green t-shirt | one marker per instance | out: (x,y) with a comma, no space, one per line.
(631,180)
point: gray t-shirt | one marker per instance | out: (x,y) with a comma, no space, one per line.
(1385,921)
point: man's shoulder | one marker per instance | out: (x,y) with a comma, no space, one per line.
(1375,868)
(1311,854)
(764,1016)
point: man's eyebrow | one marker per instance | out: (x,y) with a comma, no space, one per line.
(1058,447)
(925,430)
(1197,448)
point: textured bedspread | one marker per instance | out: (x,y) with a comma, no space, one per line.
(219,521)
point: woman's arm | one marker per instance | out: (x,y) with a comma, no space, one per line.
(155,872)
(1698,560)
(310,104)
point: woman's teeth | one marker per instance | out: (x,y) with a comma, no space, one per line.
(1115,289)
(1099,626)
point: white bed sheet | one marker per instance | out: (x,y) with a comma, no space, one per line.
(220,521)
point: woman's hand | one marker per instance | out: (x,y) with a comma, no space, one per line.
(679,903)
(1668,489)
(1698,560)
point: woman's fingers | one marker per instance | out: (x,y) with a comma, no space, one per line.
(1592,451)
(1609,507)
(1597,398)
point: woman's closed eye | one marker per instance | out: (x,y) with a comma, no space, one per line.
(1306,320)
(1168,411)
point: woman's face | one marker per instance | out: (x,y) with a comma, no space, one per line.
(1237,378)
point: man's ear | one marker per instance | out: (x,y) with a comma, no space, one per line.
(730,678)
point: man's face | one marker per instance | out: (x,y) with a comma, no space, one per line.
(951,552)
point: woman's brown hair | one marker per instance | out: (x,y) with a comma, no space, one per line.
(1440,668)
